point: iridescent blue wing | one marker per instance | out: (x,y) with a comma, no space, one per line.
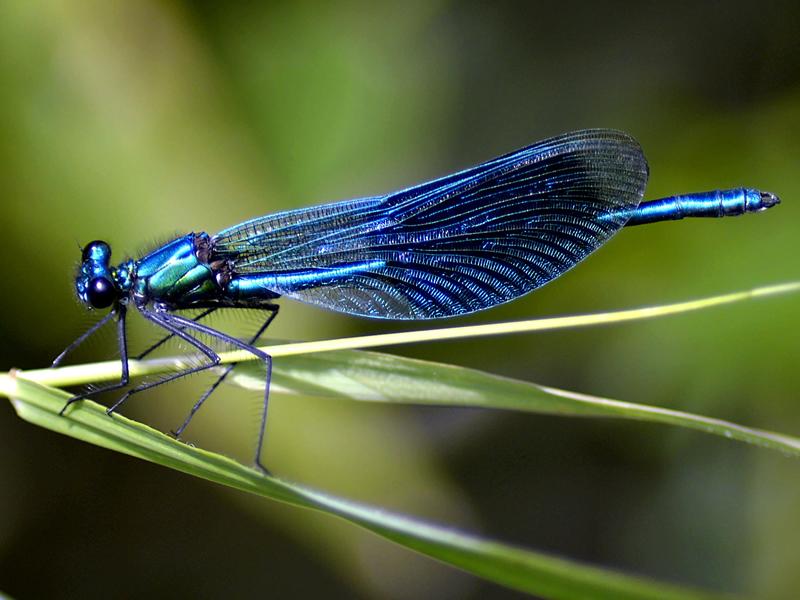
(455,245)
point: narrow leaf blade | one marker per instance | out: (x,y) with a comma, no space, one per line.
(377,377)
(517,568)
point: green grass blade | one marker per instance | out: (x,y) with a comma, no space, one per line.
(514,567)
(377,377)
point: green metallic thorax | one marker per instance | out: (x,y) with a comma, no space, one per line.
(176,274)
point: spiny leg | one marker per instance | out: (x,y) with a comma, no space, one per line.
(166,338)
(189,324)
(262,428)
(86,335)
(159,320)
(123,355)
(273,310)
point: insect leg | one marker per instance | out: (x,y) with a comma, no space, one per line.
(122,339)
(160,320)
(86,335)
(178,321)
(166,338)
(273,310)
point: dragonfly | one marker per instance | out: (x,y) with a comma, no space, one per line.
(452,246)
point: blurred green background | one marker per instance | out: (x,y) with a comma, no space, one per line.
(131,121)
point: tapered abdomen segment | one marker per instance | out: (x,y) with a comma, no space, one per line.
(717,203)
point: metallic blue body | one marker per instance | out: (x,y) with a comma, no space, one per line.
(245,287)
(452,246)
(718,203)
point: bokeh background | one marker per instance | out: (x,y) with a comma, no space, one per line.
(130,121)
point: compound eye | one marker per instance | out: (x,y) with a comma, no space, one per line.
(96,249)
(101,292)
